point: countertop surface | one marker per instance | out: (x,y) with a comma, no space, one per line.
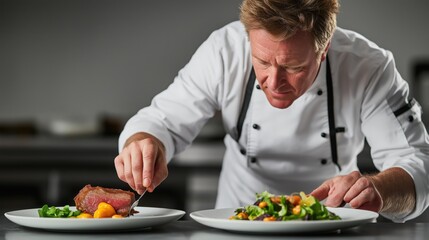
(189,229)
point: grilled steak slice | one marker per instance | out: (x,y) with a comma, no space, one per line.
(89,197)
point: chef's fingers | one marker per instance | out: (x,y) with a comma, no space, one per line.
(137,165)
(119,166)
(340,187)
(150,149)
(321,192)
(161,172)
(360,185)
(128,174)
(368,199)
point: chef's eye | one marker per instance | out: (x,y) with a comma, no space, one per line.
(263,63)
(294,69)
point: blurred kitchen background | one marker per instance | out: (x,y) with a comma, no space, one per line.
(73,71)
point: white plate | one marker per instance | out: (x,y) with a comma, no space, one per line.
(147,217)
(218,218)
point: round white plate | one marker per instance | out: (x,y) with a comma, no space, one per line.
(147,217)
(218,218)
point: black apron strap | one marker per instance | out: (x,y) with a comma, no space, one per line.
(246,102)
(331,115)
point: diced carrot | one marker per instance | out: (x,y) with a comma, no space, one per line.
(294,199)
(269,219)
(84,215)
(243,216)
(104,210)
(276,199)
(296,210)
(263,204)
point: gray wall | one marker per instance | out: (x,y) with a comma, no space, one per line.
(397,25)
(81,58)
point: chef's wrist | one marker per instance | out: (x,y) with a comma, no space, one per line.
(396,189)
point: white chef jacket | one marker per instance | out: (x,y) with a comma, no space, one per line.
(285,152)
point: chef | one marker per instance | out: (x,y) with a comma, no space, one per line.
(298,97)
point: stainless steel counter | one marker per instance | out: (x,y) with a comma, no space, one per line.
(190,229)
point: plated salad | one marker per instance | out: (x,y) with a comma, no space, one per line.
(270,207)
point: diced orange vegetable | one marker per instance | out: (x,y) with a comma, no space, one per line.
(117,216)
(84,215)
(294,199)
(276,199)
(104,210)
(269,219)
(263,204)
(296,210)
(243,216)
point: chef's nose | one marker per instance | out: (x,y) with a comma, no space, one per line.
(277,78)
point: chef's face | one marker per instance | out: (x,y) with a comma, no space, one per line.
(285,69)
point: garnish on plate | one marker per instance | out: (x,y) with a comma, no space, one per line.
(297,206)
(54,212)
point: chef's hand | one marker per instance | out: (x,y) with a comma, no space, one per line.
(142,162)
(356,190)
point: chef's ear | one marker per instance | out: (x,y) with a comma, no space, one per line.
(325,52)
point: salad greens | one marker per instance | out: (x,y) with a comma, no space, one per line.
(53,212)
(269,207)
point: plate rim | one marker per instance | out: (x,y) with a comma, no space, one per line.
(136,222)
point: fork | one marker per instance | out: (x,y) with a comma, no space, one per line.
(136,202)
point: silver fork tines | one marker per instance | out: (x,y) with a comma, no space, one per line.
(136,202)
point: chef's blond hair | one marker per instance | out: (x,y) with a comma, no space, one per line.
(283,18)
